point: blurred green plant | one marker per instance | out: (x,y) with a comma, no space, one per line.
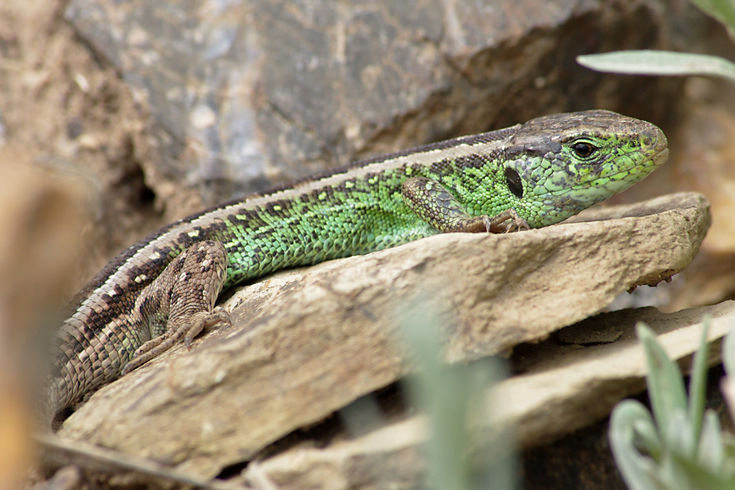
(722,10)
(651,62)
(452,399)
(680,446)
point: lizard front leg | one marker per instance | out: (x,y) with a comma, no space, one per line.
(180,301)
(438,207)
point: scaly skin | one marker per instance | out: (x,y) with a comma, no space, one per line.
(530,175)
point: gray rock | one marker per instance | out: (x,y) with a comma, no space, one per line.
(248,93)
(307,342)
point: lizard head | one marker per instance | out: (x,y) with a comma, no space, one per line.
(558,165)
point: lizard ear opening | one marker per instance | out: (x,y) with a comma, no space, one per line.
(514,182)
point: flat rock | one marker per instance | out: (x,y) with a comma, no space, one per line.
(562,391)
(309,341)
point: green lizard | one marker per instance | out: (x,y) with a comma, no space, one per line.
(164,288)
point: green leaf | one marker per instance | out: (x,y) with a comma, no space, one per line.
(698,384)
(442,392)
(710,469)
(673,474)
(638,471)
(722,10)
(711,449)
(650,62)
(728,353)
(679,433)
(665,384)
(728,448)
(448,396)
(647,438)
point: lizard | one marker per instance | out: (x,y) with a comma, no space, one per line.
(163,289)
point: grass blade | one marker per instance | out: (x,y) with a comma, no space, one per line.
(698,384)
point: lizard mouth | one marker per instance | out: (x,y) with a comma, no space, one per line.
(661,156)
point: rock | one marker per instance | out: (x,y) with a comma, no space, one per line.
(560,392)
(309,341)
(390,457)
(255,92)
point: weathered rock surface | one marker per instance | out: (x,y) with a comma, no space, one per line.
(307,342)
(562,390)
(247,93)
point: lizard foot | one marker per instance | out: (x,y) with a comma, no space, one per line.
(506,222)
(188,328)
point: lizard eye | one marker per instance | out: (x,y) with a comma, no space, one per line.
(583,149)
(514,182)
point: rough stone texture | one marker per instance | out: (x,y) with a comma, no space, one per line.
(307,342)
(248,93)
(62,110)
(561,391)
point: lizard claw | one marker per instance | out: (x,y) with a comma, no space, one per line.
(217,318)
(507,221)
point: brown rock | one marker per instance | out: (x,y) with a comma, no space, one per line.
(561,392)
(309,341)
